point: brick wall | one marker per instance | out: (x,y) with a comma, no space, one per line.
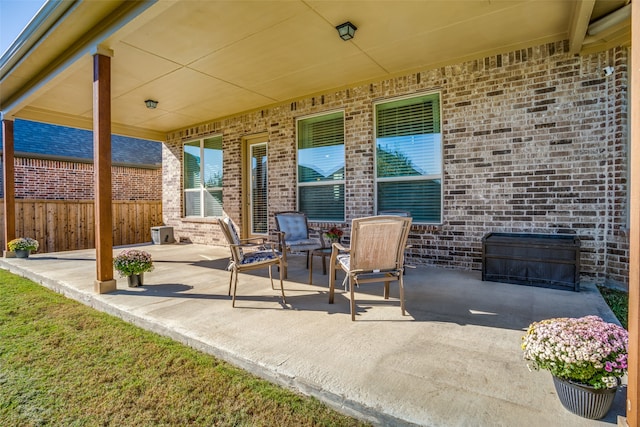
(534,140)
(63,180)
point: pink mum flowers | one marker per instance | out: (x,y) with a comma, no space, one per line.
(586,350)
(133,261)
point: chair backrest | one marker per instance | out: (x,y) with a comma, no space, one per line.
(379,242)
(293,224)
(231,234)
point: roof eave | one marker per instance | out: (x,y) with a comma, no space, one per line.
(43,26)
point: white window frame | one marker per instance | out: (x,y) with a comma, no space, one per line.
(408,178)
(322,183)
(203,189)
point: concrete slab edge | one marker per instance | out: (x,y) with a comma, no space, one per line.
(336,402)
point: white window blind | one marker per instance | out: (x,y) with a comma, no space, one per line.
(321,167)
(259,189)
(409,157)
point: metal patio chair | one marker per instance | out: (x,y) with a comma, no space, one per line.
(294,235)
(376,254)
(249,254)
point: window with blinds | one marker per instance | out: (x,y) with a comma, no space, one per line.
(321,167)
(202,160)
(259,188)
(409,157)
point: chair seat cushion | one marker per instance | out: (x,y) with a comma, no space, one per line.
(258,256)
(344,260)
(302,245)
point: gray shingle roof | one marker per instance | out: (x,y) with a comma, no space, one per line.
(60,141)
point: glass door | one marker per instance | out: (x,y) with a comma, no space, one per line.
(257,209)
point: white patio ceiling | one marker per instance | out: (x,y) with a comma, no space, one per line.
(204,60)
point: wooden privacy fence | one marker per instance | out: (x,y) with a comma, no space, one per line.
(66,225)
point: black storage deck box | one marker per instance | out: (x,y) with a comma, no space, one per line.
(548,260)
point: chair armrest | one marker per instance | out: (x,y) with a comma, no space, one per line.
(245,245)
(266,242)
(337,248)
(340,247)
(315,230)
(258,240)
(257,246)
(279,238)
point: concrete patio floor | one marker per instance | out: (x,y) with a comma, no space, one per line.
(453,360)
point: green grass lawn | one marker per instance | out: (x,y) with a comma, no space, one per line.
(63,363)
(619,303)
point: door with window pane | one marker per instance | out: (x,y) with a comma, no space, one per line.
(257,207)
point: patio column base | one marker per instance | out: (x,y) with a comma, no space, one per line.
(104,286)
(9,254)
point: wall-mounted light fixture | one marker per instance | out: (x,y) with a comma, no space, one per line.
(607,71)
(151,104)
(346,30)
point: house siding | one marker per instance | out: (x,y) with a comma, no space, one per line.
(534,140)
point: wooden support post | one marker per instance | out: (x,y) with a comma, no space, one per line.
(102,171)
(8,179)
(633,411)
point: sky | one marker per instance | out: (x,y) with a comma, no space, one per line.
(14,16)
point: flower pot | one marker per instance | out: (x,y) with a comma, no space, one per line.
(22,253)
(584,400)
(135,280)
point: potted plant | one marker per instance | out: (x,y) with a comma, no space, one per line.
(133,263)
(22,246)
(586,357)
(334,234)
